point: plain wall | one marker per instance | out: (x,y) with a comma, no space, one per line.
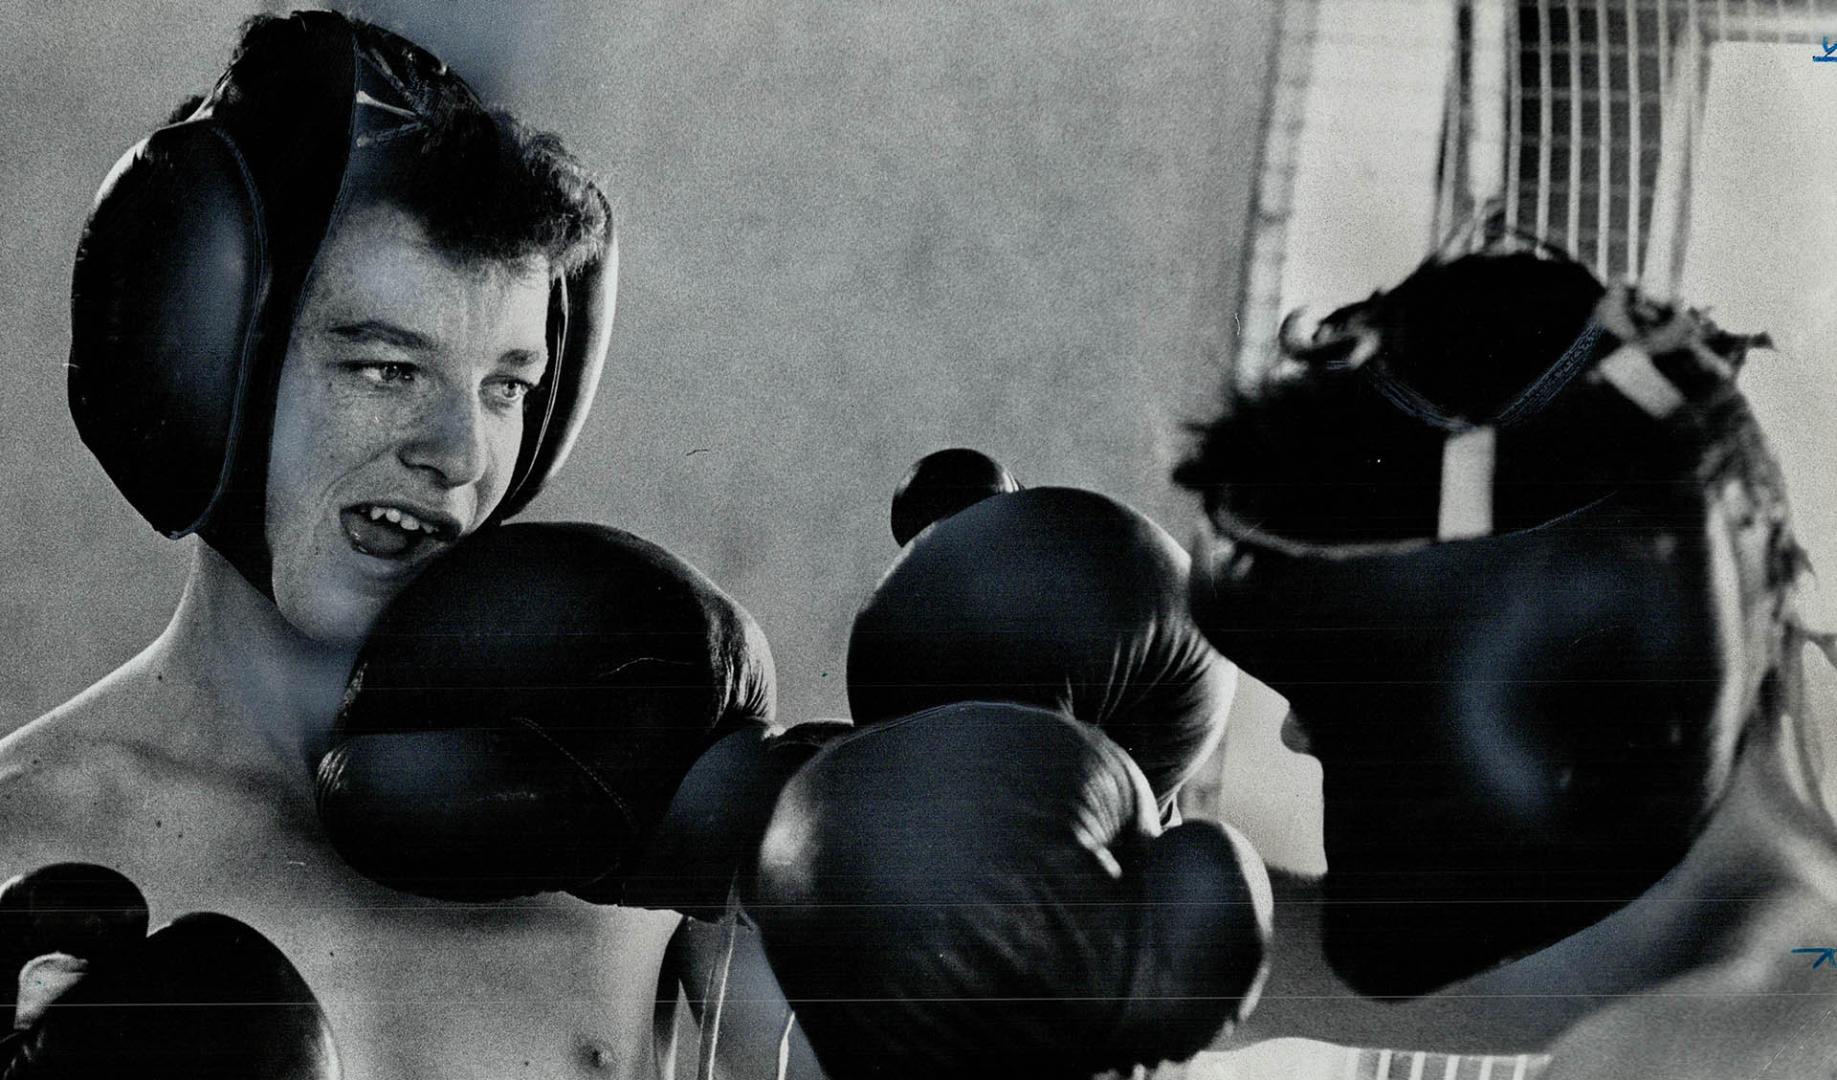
(84,582)
(852,233)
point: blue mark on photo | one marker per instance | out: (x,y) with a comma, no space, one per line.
(1830,54)
(1826,954)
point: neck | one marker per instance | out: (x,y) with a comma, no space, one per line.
(1758,878)
(270,693)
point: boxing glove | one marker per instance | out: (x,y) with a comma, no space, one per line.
(984,890)
(521,715)
(942,483)
(1053,597)
(699,862)
(707,841)
(204,996)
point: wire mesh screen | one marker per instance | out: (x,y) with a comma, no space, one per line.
(1573,121)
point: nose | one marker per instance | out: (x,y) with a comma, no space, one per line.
(448,442)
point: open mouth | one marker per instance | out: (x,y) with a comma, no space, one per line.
(391,532)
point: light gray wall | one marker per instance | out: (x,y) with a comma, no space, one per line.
(856,233)
(853,233)
(84,583)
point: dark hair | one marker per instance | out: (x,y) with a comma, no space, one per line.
(1322,446)
(485,186)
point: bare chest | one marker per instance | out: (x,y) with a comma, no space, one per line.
(539,987)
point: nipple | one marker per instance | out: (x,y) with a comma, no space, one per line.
(596,1055)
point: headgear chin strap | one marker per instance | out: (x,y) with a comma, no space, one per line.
(195,259)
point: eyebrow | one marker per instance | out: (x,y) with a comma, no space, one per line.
(388,333)
(383,333)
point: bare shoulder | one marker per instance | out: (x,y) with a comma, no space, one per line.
(75,783)
(56,799)
(1764,1012)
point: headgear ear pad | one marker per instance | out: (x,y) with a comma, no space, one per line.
(193,262)
(581,309)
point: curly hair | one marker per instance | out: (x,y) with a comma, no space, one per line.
(1339,441)
(485,186)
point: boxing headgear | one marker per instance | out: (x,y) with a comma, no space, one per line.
(1489,535)
(198,250)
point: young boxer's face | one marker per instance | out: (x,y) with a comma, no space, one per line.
(398,418)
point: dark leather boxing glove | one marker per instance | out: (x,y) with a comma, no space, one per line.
(700,860)
(942,483)
(523,713)
(204,996)
(983,890)
(1053,597)
(707,841)
(59,920)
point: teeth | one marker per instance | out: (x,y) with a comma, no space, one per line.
(407,521)
(401,518)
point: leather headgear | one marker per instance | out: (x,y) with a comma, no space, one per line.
(1523,631)
(196,255)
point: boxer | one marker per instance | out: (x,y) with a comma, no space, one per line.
(1514,548)
(334,318)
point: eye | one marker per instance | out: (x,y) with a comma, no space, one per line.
(507,391)
(385,373)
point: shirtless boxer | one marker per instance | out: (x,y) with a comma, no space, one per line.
(421,387)
(1515,550)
